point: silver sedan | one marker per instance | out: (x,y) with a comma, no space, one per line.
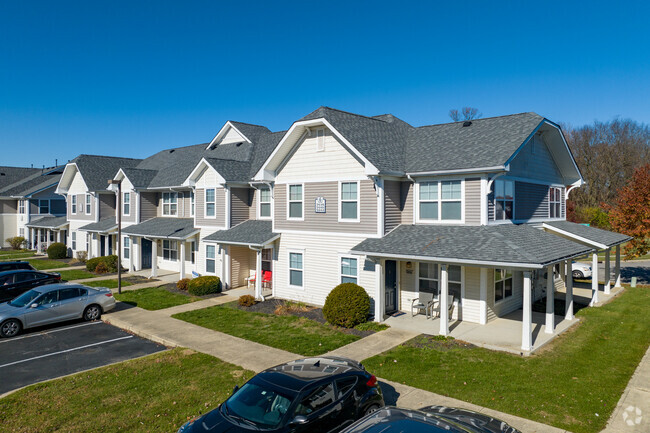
(54,303)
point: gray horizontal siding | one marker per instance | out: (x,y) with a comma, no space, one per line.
(81,208)
(106,205)
(392,203)
(240,199)
(148,205)
(8,206)
(531,201)
(199,200)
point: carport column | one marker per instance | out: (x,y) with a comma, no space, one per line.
(550,300)
(258,274)
(563,272)
(526,325)
(444,308)
(617,268)
(569,293)
(380,296)
(594,279)
(182,270)
(154,258)
(608,275)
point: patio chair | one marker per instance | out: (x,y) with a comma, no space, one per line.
(424,301)
(450,305)
(266,279)
(250,281)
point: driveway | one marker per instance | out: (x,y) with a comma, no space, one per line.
(633,268)
(58,351)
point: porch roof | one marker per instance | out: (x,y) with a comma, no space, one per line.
(105,225)
(591,236)
(48,222)
(163,228)
(255,233)
(508,246)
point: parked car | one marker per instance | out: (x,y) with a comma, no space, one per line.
(321,394)
(10,266)
(431,419)
(54,303)
(14,283)
(580,270)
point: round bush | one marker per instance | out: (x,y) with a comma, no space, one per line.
(101,268)
(182,284)
(57,251)
(110,262)
(206,285)
(347,305)
(246,300)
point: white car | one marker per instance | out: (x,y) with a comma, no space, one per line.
(580,270)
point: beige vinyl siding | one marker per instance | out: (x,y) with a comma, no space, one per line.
(407,202)
(327,222)
(408,289)
(537,164)
(473,201)
(8,228)
(106,205)
(392,203)
(471,308)
(199,201)
(240,205)
(148,205)
(508,305)
(240,265)
(252,210)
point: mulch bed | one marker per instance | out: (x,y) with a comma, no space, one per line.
(171,287)
(313,313)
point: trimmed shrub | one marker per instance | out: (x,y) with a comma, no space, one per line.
(110,263)
(182,284)
(16,242)
(246,300)
(57,251)
(347,305)
(205,285)
(101,268)
(82,256)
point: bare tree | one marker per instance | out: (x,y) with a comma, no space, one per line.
(465,113)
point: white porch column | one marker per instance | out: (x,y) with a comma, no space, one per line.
(608,275)
(182,254)
(58,235)
(617,267)
(226,266)
(258,274)
(97,246)
(137,242)
(31,238)
(48,236)
(483,296)
(527,324)
(38,240)
(444,307)
(594,279)
(568,314)
(154,258)
(131,252)
(106,240)
(380,294)
(563,269)
(550,300)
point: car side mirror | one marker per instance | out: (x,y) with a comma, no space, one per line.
(33,306)
(298,419)
(235,389)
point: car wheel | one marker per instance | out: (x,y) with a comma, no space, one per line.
(577,275)
(10,328)
(370,409)
(92,312)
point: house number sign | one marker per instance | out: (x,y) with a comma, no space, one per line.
(319,205)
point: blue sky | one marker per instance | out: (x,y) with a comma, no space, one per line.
(130,78)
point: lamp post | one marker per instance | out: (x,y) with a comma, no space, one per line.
(118,243)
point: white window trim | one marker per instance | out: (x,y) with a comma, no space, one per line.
(87,204)
(340,202)
(259,203)
(494,201)
(73,204)
(126,246)
(216,252)
(73,241)
(548,194)
(21,207)
(205,204)
(49,204)
(193,203)
(162,199)
(320,144)
(341,275)
(418,220)
(289,185)
(125,194)
(289,268)
(494,287)
(171,242)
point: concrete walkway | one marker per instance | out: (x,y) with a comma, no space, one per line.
(69,268)
(374,344)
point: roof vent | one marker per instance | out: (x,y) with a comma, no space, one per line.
(2,174)
(172,150)
(466,124)
(239,144)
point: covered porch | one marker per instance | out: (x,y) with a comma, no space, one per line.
(45,231)
(100,237)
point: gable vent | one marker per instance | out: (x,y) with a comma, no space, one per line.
(466,124)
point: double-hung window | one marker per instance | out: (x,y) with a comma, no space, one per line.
(74,240)
(88,210)
(428,278)
(191,203)
(349,270)
(73,204)
(210,258)
(127,247)
(265,203)
(450,204)
(126,203)
(502,284)
(504,197)
(21,206)
(349,198)
(170,250)
(295,269)
(440,201)
(295,201)
(170,204)
(43,207)
(210,203)
(554,202)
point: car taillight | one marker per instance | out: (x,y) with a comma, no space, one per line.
(58,277)
(372,381)
(109,295)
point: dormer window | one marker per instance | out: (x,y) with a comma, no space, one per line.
(504,197)
(170,204)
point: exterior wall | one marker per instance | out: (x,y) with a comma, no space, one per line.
(531,201)
(508,305)
(8,207)
(473,202)
(535,161)
(81,238)
(127,186)
(240,199)
(231,136)
(183,205)
(199,202)
(78,188)
(407,192)
(107,203)
(392,205)
(8,227)
(252,210)
(242,260)
(148,205)
(200,256)
(327,222)
(471,305)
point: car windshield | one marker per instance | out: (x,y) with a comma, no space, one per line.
(257,402)
(24,299)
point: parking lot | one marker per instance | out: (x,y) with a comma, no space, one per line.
(60,350)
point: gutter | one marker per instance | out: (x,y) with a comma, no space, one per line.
(459,171)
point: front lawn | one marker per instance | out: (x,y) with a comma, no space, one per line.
(153,298)
(45,264)
(291,333)
(15,254)
(574,384)
(111,284)
(156,393)
(76,274)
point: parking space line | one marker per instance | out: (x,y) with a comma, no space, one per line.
(38,334)
(65,351)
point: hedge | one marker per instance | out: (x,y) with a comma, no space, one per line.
(57,251)
(110,263)
(347,305)
(206,285)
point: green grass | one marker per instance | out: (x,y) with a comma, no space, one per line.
(15,254)
(157,393)
(76,274)
(290,333)
(153,298)
(45,264)
(582,373)
(111,284)
(371,326)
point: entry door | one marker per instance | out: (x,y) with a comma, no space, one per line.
(391,286)
(146,253)
(110,245)
(102,245)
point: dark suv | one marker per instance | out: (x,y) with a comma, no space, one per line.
(15,283)
(11,266)
(321,394)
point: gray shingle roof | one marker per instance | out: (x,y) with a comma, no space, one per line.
(11,175)
(102,226)
(496,244)
(50,222)
(97,170)
(32,182)
(591,233)
(140,178)
(251,232)
(172,166)
(163,228)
